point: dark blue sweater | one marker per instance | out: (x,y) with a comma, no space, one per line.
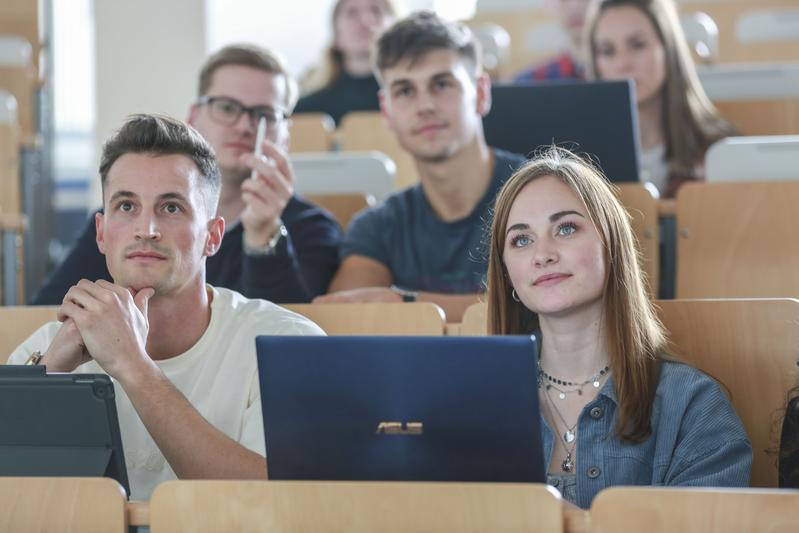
(301,267)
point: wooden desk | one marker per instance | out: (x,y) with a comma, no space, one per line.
(575,520)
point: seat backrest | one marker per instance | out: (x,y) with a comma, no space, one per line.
(752,30)
(702,35)
(523,26)
(766,158)
(18,77)
(737,240)
(311,132)
(760,99)
(353,507)
(12,259)
(416,318)
(10,185)
(474,320)
(25,19)
(17,323)
(762,116)
(643,210)
(752,348)
(495,43)
(73,505)
(343,206)
(366,130)
(344,172)
(691,510)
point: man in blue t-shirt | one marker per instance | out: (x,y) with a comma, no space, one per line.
(426,243)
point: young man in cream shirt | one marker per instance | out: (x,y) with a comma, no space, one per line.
(181,353)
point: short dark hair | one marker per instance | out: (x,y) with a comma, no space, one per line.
(164,135)
(420,33)
(248,55)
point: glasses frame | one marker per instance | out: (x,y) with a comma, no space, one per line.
(253,112)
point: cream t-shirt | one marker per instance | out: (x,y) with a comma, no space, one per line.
(218,375)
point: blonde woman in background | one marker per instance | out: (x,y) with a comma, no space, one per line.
(344,81)
(642,40)
(615,409)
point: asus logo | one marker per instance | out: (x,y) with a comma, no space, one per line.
(400,428)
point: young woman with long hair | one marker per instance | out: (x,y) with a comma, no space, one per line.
(616,409)
(642,40)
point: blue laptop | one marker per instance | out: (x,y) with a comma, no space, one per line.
(401,408)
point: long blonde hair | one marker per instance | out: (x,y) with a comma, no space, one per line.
(329,70)
(691,122)
(634,334)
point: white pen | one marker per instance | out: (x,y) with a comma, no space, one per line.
(259,143)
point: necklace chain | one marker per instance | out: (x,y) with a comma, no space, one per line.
(569,437)
(594,380)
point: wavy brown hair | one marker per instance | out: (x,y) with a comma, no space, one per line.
(691,122)
(634,334)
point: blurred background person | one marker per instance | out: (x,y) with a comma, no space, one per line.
(642,40)
(570,63)
(344,81)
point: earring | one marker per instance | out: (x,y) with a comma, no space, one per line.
(514,296)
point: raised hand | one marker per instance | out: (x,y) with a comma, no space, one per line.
(265,196)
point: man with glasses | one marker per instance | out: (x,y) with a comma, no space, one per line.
(278,246)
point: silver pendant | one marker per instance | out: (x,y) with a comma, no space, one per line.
(567,465)
(569,436)
(562,396)
(596,384)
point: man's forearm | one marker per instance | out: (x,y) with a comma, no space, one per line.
(191,445)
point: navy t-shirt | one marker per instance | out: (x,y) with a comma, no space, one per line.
(422,251)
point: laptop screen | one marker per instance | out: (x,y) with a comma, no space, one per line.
(401,408)
(597,119)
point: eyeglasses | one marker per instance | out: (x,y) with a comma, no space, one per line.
(227,111)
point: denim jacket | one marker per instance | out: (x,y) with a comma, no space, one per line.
(697,439)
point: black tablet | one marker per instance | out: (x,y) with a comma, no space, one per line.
(59,425)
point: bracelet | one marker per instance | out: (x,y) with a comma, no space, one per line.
(34,359)
(407,295)
(269,249)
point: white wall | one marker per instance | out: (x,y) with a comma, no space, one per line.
(299,29)
(147,58)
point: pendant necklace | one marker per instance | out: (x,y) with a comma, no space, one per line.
(568,437)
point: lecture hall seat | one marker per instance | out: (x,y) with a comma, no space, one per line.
(17,323)
(64,504)
(694,510)
(406,318)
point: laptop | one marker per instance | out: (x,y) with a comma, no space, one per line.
(401,408)
(594,119)
(59,425)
